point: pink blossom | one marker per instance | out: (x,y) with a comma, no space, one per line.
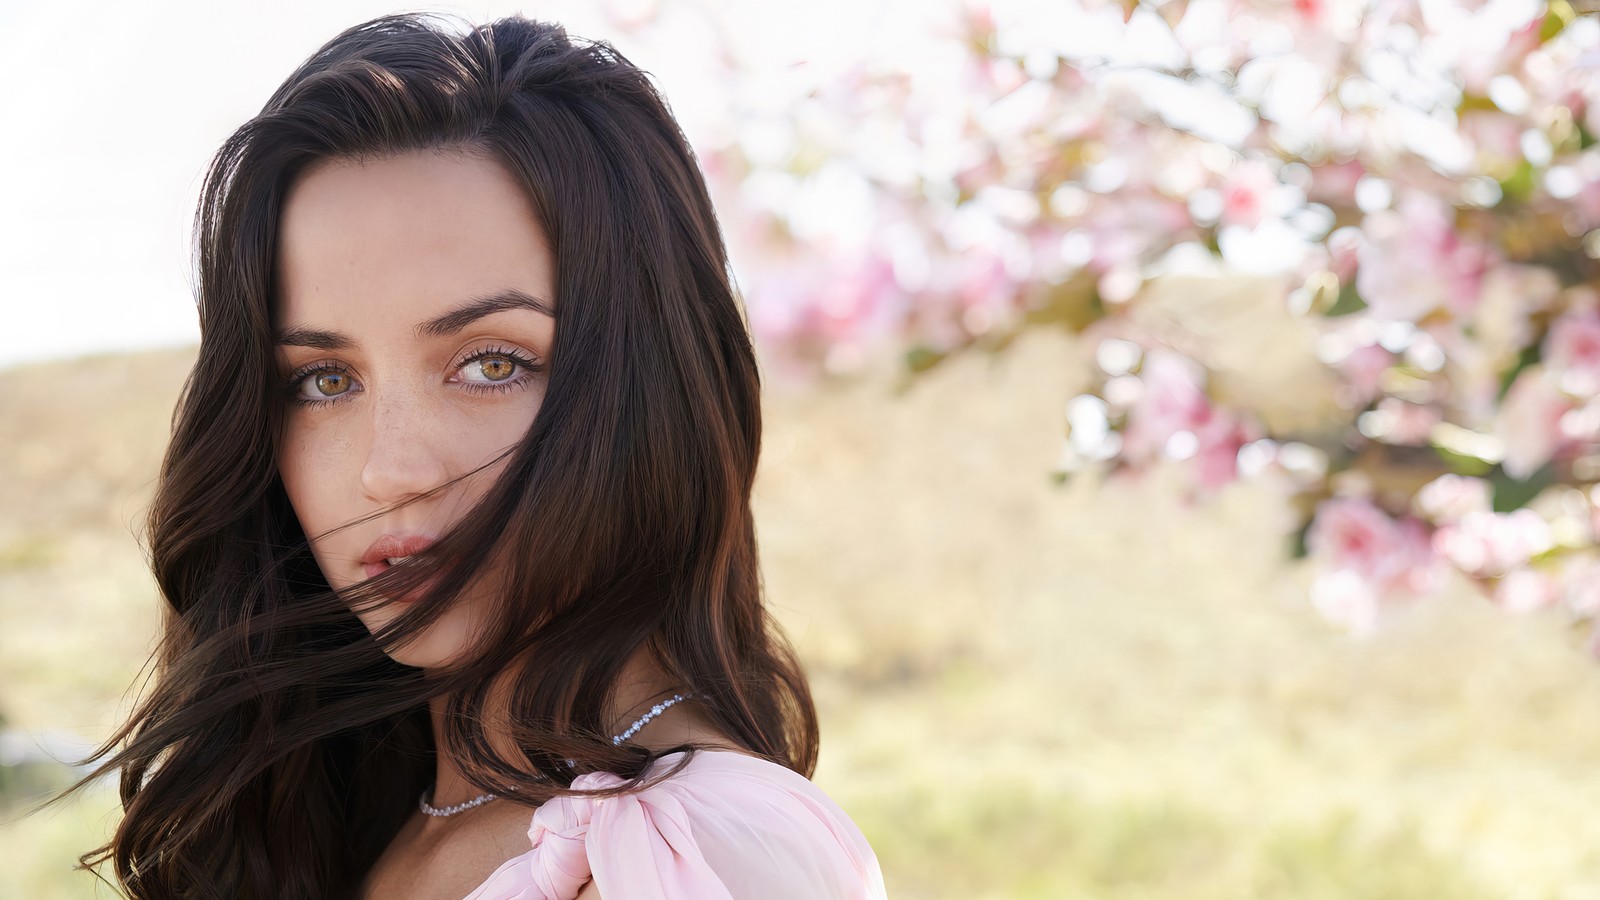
(984,284)
(1335,183)
(1172,418)
(1216,459)
(1477,68)
(1368,561)
(1572,352)
(1131,228)
(1450,497)
(1580,581)
(1406,424)
(824,310)
(1586,206)
(1496,137)
(1489,544)
(1421,568)
(1344,253)
(1246,193)
(1391,554)
(1529,422)
(1413,261)
(860,298)
(1363,369)
(1345,598)
(1172,402)
(1313,10)
(1526,590)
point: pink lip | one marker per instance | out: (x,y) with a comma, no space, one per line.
(390,546)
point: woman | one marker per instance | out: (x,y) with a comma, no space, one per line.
(454,526)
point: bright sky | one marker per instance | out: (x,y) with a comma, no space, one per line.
(112,111)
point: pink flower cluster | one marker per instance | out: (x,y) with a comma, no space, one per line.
(1422,179)
(1173,419)
(1371,562)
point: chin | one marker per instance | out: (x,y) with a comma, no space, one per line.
(439,645)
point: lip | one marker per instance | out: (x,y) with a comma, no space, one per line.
(392,545)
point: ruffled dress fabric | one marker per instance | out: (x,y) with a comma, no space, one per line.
(726,827)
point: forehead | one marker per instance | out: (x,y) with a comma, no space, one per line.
(405,235)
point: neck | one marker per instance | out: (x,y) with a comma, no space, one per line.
(639,686)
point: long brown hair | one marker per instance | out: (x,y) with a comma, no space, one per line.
(279,748)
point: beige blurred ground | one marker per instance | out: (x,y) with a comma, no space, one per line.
(1028,690)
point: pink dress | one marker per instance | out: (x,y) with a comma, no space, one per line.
(727,827)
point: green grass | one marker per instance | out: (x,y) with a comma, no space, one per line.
(29,552)
(1016,841)
(41,850)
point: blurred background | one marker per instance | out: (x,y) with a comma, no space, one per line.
(1184,417)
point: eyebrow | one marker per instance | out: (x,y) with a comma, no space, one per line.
(442,326)
(469,312)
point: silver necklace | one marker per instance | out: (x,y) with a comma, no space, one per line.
(480,800)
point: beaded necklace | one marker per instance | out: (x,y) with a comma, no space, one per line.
(633,729)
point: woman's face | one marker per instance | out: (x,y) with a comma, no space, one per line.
(416,302)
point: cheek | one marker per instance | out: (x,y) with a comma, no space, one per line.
(495,432)
(310,477)
(500,425)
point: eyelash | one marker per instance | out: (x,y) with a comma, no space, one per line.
(529,366)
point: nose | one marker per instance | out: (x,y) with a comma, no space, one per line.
(405,452)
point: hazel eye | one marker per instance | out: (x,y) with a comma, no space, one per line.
(497,368)
(332,384)
(326,381)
